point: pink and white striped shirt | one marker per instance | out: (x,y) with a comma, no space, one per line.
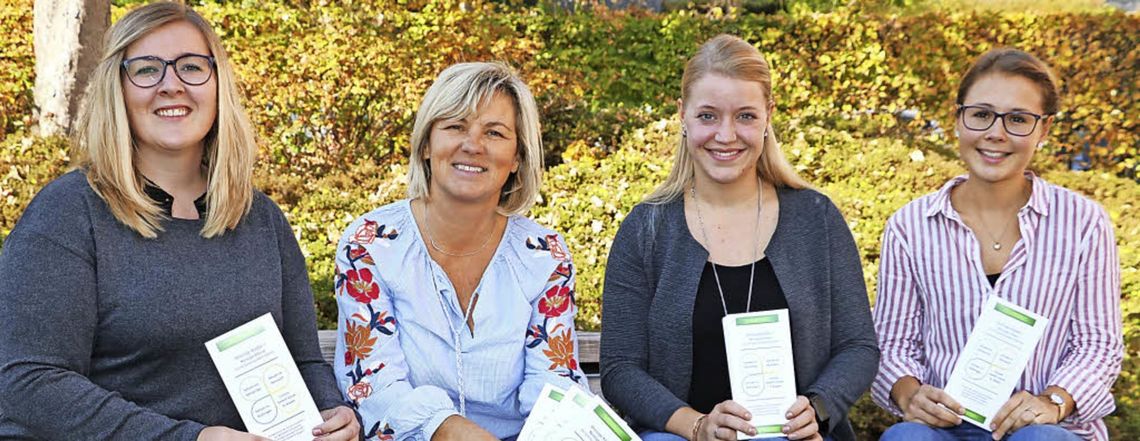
(932,287)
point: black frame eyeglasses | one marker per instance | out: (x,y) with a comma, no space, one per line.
(148,71)
(980,118)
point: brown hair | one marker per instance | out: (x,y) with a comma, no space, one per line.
(1012,61)
(732,57)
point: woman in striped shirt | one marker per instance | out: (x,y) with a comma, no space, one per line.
(1001,231)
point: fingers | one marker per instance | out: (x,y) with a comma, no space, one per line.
(1006,410)
(1021,410)
(807,427)
(930,406)
(724,433)
(799,406)
(732,424)
(801,420)
(941,397)
(727,418)
(733,408)
(340,425)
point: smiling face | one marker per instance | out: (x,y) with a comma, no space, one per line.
(993,155)
(472,158)
(171,116)
(725,119)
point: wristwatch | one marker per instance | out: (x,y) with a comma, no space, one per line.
(1057,399)
(821,416)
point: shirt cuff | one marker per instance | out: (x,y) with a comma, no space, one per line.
(884,383)
(433,423)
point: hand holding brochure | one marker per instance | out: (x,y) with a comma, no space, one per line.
(760,368)
(263,381)
(990,365)
(573,415)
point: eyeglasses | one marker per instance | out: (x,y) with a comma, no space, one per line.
(978,118)
(148,71)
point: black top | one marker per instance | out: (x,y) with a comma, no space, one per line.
(166,201)
(710,385)
(993,278)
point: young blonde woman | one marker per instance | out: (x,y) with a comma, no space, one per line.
(1000,231)
(732,229)
(454,309)
(118,272)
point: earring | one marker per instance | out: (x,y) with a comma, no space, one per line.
(956,135)
(684,132)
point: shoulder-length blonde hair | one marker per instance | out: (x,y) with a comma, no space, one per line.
(105,148)
(732,57)
(461,90)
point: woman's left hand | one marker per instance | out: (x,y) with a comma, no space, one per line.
(340,425)
(801,421)
(1023,409)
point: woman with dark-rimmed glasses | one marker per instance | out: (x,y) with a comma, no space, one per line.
(1000,231)
(120,271)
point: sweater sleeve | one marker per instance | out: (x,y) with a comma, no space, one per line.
(625,330)
(300,318)
(48,298)
(854,350)
(1094,349)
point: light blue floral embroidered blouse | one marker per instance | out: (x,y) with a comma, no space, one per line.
(396,341)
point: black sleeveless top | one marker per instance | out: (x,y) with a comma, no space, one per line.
(710,385)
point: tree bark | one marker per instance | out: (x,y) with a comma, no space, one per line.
(68,45)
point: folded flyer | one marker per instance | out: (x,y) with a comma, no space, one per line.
(263,381)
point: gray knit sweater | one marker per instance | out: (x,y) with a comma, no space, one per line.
(651,284)
(104,331)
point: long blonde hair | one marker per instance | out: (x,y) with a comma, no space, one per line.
(731,57)
(104,147)
(461,90)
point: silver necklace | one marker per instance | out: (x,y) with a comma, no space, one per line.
(998,240)
(755,251)
(435,246)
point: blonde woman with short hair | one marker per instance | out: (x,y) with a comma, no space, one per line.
(454,309)
(119,271)
(732,229)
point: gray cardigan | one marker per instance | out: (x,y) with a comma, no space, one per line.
(651,284)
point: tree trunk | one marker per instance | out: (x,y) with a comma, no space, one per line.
(68,45)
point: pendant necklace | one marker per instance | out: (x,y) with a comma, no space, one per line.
(755,251)
(997,240)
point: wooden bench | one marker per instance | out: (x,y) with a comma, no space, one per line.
(588,343)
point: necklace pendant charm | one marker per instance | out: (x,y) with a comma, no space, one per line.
(997,246)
